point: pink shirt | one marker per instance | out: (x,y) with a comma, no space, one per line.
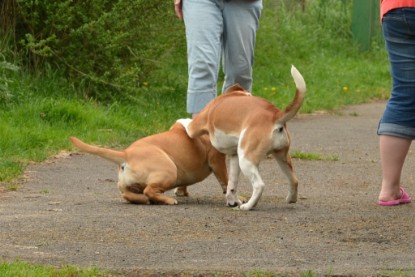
(387,5)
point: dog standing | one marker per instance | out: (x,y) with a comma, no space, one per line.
(247,128)
(154,164)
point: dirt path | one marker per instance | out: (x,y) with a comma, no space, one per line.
(69,212)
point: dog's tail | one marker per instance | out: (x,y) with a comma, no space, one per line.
(117,157)
(295,105)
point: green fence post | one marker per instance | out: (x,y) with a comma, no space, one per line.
(365,22)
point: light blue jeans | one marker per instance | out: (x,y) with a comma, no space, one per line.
(215,30)
(399,33)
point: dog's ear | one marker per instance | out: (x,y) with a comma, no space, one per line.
(235,87)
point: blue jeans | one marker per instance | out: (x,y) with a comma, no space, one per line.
(399,33)
(215,30)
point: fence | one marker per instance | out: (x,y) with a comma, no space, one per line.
(366,24)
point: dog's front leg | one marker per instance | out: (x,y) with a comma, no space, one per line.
(217,162)
(232,198)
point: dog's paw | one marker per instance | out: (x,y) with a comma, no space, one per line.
(232,205)
(171,201)
(246,207)
(243,199)
(291,198)
(232,200)
(181,191)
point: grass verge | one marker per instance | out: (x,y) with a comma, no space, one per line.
(312,156)
(24,269)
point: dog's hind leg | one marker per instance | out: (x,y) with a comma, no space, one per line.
(250,170)
(158,182)
(133,193)
(135,198)
(284,160)
(155,193)
(232,199)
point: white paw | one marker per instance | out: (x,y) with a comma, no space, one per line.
(291,198)
(232,200)
(233,204)
(245,207)
(172,201)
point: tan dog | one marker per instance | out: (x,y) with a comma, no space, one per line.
(247,128)
(154,164)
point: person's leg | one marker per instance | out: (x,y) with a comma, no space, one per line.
(204,27)
(241,22)
(399,33)
(393,151)
(397,127)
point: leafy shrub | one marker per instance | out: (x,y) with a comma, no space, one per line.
(110,48)
(6,68)
(5,93)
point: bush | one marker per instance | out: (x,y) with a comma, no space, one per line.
(6,68)
(109,48)
(134,50)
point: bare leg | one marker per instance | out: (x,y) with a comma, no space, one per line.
(393,151)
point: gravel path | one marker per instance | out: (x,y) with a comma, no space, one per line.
(69,211)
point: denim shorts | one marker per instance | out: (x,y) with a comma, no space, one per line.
(399,32)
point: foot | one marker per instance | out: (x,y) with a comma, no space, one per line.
(404,198)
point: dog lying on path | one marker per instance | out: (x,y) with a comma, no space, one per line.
(247,128)
(154,164)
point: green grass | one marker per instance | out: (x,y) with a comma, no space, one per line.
(312,156)
(24,269)
(319,43)
(39,124)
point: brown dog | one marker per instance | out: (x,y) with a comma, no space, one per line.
(154,164)
(247,128)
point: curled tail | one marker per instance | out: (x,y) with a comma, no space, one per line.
(292,109)
(117,157)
